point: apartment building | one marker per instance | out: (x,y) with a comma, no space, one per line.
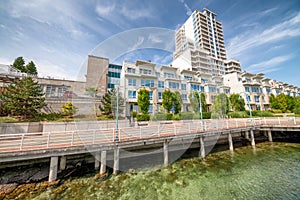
(201,32)
(157,79)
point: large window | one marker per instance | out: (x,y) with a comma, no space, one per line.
(159,95)
(268,90)
(161,84)
(173,85)
(247,89)
(227,91)
(256,98)
(131,82)
(131,94)
(145,71)
(183,86)
(131,70)
(169,75)
(188,78)
(147,83)
(212,89)
(151,95)
(255,89)
(197,87)
(184,96)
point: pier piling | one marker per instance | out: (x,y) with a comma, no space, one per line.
(53,169)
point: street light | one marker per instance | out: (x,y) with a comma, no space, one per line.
(250,110)
(117,116)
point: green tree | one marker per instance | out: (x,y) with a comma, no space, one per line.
(167,102)
(30,68)
(68,109)
(220,105)
(195,101)
(144,100)
(177,101)
(23,98)
(236,102)
(282,101)
(274,104)
(108,103)
(19,64)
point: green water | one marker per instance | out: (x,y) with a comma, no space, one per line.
(271,171)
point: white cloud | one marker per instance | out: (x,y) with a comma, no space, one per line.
(245,41)
(269,65)
(162,59)
(187,8)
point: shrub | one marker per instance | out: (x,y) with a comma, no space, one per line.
(176,117)
(143,117)
(187,115)
(296,111)
(264,114)
(134,114)
(239,114)
(276,111)
(48,117)
(68,109)
(206,115)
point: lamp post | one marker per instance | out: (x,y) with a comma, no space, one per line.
(117,115)
(250,110)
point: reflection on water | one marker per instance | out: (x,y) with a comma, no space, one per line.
(270,171)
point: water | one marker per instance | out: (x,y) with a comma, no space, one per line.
(271,171)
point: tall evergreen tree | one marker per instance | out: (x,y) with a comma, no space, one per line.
(108,104)
(31,68)
(23,98)
(19,63)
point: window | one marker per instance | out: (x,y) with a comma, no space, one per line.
(147,83)
(150,109)
(227,91)
(173,85)
(248,80)
(150,95)
(169,75)
(212,89)
(159,95)
(256,98)
(157,74)
(161,84)
(188,78)
(247,89)
(183,86)
(268,90)
(145,71)
(131,94)
(114,74)
(255,89)
(248,98)
(131,70)
(184,96)
(131,82)
(213,98)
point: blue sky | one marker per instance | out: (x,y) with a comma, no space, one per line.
(58,35)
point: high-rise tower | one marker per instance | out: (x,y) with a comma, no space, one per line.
(202,31)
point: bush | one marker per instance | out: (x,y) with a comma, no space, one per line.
(187,115)
(143,117)
(263,114)
(239,114)
(176,117)
(205,115)
(162,116)
(48,117)
(134,114)
(296,111)
(276,111)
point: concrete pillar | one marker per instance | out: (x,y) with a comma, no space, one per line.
(63,163)
(230,142)
(270,136)
(103,163)
(116,160)
(202,147)
(166,153)
(53,168)
(247,135)
(97,160)
(252,137)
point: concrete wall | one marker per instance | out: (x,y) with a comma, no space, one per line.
(33,127)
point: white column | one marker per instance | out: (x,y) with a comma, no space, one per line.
(63,163)
(202,147)
(116,160)
(230,142)
(53,169)
(270,136)
(252,137)
(97,160)
(103,163)
(166,153)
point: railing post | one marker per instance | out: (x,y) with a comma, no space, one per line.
(48,140)
(175,129)
(140,132)
(119,134)
(245,122)
(113,134)
(158,129)
(72,142)
(295,122)
(21,145)
(189,124)
(227,124)
(265,120)
(94,136)
(236,123)
(279,120)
